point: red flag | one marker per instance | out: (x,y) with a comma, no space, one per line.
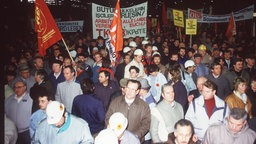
(164,15)
(115,35)
(231,30)
(45,26)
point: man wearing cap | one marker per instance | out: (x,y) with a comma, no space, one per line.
(24,76)
(62,127)
(56,75)
(18,108)
(131,106)
(188,76)
(69,89)
(200,69)
(206,59)
(137,61)
(146,96)
(132,45)
(118,123)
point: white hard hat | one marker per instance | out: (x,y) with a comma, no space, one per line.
(54,112)
(132,44)
(118,123)
(138,52)
(189,63)
(144,42)
(154,48)
(126,49)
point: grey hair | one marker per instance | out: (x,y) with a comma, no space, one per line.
(238,113)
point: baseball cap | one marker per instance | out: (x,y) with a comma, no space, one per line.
(144,42)
(138,52)
(118,123)
(106,136)
(132,44)
(54,112)
(189,63)
(23,67)
(154,48)
(126,49)
(123,82)
(144,84)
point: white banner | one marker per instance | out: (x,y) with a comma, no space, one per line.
(134,20)
(70,26)
(244,14)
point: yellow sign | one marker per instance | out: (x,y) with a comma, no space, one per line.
(191,26)
(178,18)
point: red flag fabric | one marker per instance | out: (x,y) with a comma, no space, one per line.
(45,26)
(115,35)
(231,30)
(164,14)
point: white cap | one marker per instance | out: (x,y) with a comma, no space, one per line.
(118,123)
(144,42)
(156,53)
(95,48)
(132,44)
(189,63)
(138,52)
(106,136)
(154,48)
(54,112)
(126,49)
(73,53)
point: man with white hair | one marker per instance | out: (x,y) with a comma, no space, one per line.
(61,127)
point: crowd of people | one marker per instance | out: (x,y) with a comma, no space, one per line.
(159,90)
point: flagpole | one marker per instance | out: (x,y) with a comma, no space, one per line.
(68,50)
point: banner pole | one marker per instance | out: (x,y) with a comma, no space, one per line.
(68,50)
(190,41)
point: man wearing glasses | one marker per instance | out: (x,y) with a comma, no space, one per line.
(135,109)
(18,108)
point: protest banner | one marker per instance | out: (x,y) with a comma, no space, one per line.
(70,26)
(134,20)
(191,26)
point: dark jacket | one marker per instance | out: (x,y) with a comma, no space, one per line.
(55,81)
(91,109)
(104,92)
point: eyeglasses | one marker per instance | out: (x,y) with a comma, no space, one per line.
(18,87)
